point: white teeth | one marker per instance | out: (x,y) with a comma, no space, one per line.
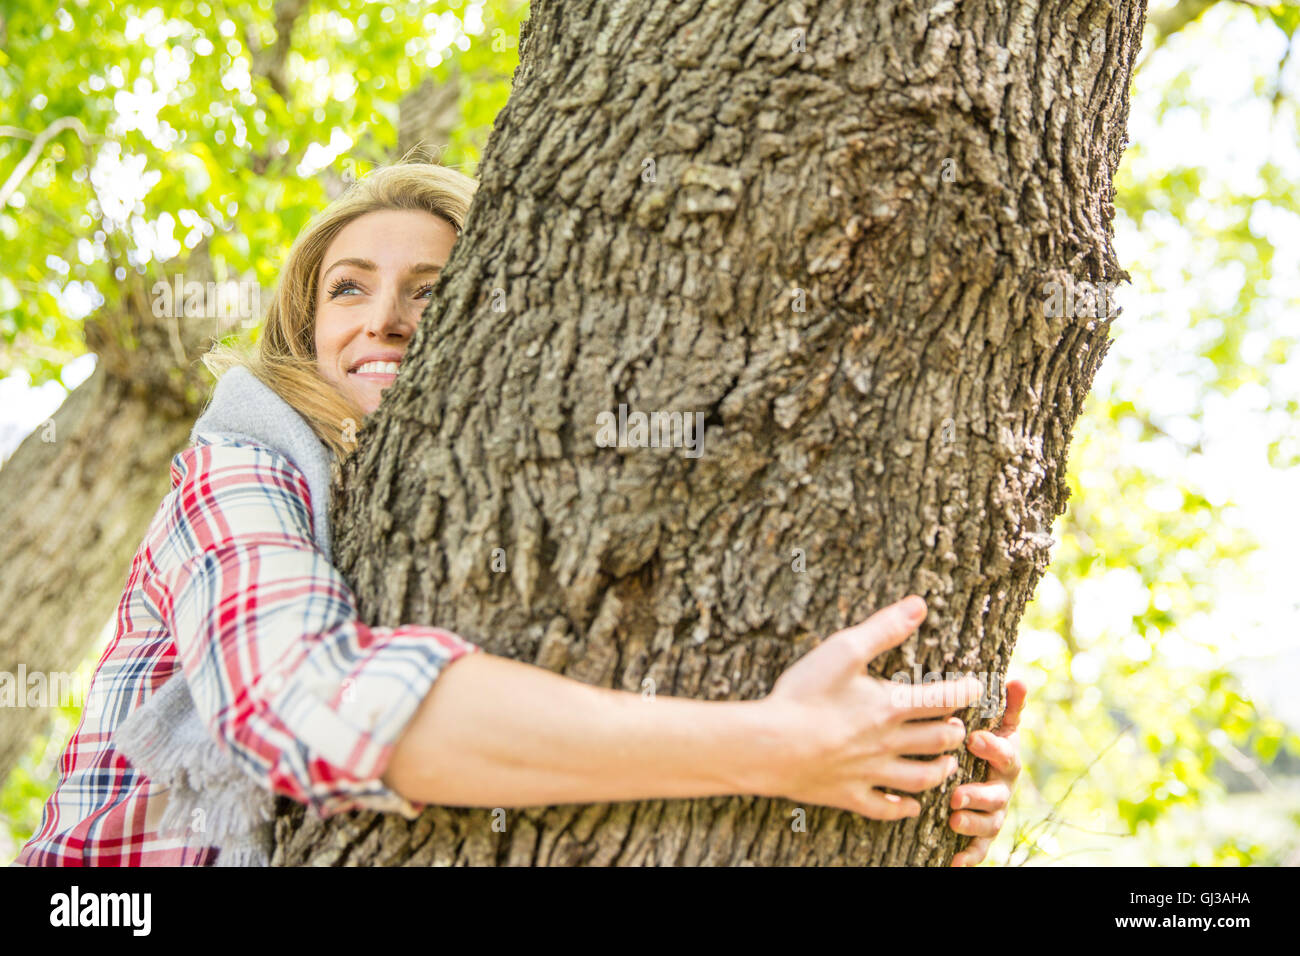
(384,368)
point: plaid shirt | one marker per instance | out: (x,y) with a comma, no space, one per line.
(230,586)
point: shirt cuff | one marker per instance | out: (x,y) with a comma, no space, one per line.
(349,729)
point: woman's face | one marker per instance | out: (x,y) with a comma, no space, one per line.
(374,282)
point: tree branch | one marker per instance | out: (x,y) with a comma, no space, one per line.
(34,153)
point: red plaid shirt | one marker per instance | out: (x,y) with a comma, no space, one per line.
(230,586)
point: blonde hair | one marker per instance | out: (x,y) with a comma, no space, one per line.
(285,357)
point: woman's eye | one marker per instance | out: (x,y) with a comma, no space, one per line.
(342,285)
(420,293)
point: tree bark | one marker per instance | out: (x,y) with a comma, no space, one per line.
(831,230)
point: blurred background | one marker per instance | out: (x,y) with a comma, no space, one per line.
(141,141)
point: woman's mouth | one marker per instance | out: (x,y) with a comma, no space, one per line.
(384,372)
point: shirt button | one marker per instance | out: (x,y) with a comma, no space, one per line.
(274,683)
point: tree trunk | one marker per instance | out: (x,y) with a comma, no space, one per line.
(75,499)
(836,232)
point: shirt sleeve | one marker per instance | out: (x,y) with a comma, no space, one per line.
(307,698)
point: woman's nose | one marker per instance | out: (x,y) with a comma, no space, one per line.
(387,320)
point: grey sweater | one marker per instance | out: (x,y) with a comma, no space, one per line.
(164,738)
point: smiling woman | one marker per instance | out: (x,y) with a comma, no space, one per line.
(233,597)
(352,290)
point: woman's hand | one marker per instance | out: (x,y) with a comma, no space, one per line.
(983,806)
(852,730)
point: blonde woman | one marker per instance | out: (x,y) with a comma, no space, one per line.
(233,600)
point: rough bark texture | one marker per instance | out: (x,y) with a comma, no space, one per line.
(912,176)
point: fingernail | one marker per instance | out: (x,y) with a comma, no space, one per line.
(915,608)
(962,801)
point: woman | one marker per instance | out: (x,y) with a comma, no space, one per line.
(233,590)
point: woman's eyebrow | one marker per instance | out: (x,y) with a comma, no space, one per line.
(420,268)
(359,263)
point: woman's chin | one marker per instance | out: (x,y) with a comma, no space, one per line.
(368,389)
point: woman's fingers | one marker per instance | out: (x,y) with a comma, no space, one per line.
(1000,752)
(914,776)
(980,808)
(1017,691)
(887,628)
(887,806)
(977,824)
(913,701)
(974,853)
(984,797)
(928,736)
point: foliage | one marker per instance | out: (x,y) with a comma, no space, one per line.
(1135,722)
(180,121)
(1134,717)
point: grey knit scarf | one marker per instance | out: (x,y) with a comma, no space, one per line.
(164,738)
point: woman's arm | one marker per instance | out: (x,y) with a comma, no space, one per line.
(341,716)
(498,733)
(494,732)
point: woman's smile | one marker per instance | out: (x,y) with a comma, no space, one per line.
(379,368)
